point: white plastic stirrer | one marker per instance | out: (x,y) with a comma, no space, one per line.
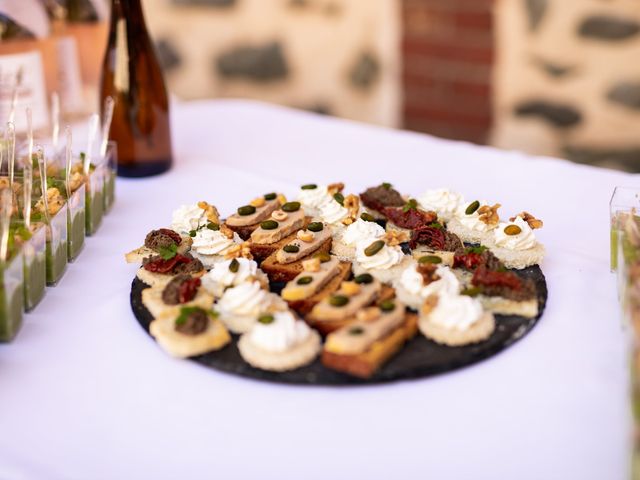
(55,118)
(6,205)
(94,121)
(42,166)
(10,143)
(67,159)
(106,124)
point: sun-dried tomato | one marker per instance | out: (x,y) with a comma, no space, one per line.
(188,289)
(159,265)
(468,261)
(410,218)
(432,237)
(493,278)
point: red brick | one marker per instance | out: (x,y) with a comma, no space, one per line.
(426,48)
(447,115)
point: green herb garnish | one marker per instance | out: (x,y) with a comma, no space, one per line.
(184,314)
(167,253)
(437,225)
(412,204)
(476,249)
(387,185)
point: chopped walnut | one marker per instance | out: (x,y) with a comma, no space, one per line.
(352,204)
(226,231)
(335,188)
(311,265)
(76,179)
(530,219)
(210,211)
(239,250)
(368,314)
(429,304)
(396,237)
(489,215)
(55,201)
(428,272)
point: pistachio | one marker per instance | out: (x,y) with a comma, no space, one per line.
(193,233)
(306,280)
(270,196)
(363,278)
(367,217)
(512,230)
(315,226)
(324,257)
(257,202)
(279,215)
(213,226)
(473,206)
(374,248)
(430,259)
(291,248)
(291,206)
(338,197)
(356,330)
(246,210)
(269,225)
(266,319)
(471,291)
(234,265)
(338,300)
(305,236)
(387,306)
(309,186)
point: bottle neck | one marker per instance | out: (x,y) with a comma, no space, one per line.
(129,9)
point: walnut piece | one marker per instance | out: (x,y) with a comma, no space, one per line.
(489,215)
(335,188)
(428,272)
(226,231)
(352,204)
(210,211)
(239,250)
(396,237)
(530,219)
(55,201)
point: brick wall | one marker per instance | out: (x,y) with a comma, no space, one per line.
(447,58)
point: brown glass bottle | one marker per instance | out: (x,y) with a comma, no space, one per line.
(132,75)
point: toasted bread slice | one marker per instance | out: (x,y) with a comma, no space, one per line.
(304,306)
(364,365)
(325,327)
(279,272)
(262,251)
(160,280)
(244,232)
(152,299)
(139,254)
(421,251)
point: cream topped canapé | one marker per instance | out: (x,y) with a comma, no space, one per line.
(351,297)
(420,285)
(313,197)
(333,213)
(377,255)
(360,231)
(442,201)
(278,332)
(245,299)
(188,218)
(307,283)
(457,312)
(515,235)
(229,273)
(208,242)
(472,216)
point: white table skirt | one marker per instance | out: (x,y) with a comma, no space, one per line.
(85,393)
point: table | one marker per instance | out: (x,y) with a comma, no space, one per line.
(85,393)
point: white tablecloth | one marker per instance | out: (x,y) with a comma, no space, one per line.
(85,393)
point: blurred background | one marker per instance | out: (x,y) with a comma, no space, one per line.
(551,77)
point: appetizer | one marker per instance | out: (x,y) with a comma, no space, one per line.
(360,348)
(287,262)
(279,342)
(279,230)
(161,241)
(248,217)
(231,273)
(435,240)
(425,278)
(475,222)
(376,199)
(320,277)
(182,291)
(240,306)
(189,332)
(382,258)
(515,244)
(442,201)
(363,229)
(158,270)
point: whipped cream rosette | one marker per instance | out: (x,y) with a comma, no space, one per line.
(231,273)
(413,287)
(188,218)
(240,306)
(382,261)
(345,241)
(442,201)
(515,244)
(211,246)
(471,222)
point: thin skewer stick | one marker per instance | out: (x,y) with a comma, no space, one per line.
(67,166)
(6,205)
(10,142)
(106,124)
(93,130)
(55,118)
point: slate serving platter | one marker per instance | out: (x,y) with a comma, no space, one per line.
(420,357)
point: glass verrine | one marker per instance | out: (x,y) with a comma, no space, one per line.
(76,222)
(11,295)
(624,201)
(32,241)
(94,198)
(110,173)
(57,245)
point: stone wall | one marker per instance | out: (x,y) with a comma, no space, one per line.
(339,57)
(567,79)
(448,55)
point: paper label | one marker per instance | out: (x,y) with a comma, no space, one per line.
(31,90)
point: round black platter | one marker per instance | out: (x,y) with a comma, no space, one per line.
(420,357)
